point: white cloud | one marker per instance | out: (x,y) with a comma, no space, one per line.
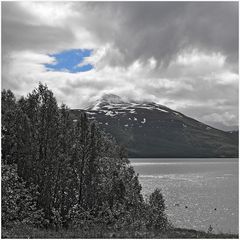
(133,55)
(226,118)
(196,57)
(48,13)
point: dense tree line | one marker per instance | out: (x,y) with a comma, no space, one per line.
(57,172)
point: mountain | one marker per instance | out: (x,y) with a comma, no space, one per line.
(148,129)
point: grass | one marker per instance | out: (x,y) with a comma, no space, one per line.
(22,231)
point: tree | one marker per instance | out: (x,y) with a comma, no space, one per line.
(18,200)
(8,127)
(157,217)
(37,144)
(78,172)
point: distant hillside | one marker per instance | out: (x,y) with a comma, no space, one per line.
(148,129)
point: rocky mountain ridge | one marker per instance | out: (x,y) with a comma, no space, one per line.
(148,129)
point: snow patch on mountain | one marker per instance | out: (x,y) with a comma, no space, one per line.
(143,121)
(132,111)
(112,105)
(96,107)
(179,115)
(110,113)
(162,110)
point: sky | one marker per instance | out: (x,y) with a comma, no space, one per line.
(180,54)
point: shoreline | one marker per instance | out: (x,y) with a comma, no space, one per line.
(98,232)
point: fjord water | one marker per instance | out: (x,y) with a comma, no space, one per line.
(198,192)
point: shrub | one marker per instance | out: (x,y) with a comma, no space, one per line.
(18,201)
(157,218)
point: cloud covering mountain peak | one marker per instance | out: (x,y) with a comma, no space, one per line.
(181,54)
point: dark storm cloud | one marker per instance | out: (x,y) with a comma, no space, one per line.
(162,29)
(182,54)
(139,30)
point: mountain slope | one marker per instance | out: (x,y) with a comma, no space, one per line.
(152,130)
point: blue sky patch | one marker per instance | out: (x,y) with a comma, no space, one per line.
(68,61)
